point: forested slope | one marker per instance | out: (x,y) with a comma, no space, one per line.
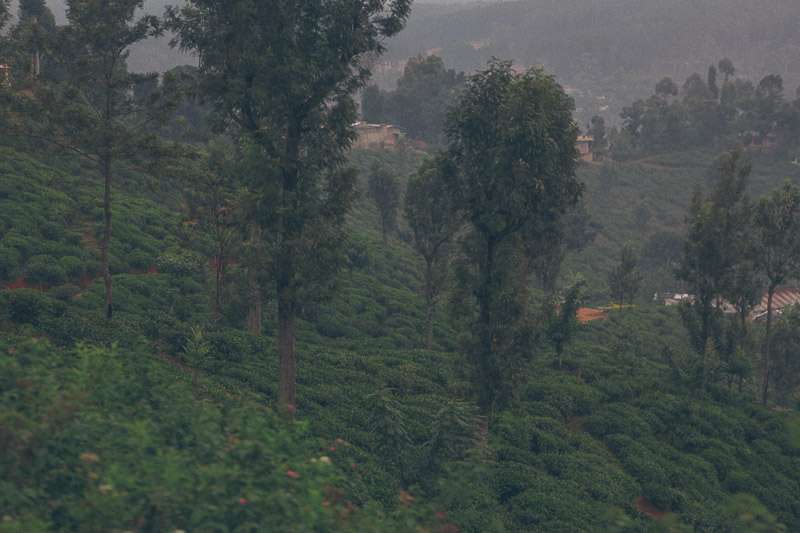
(645,201)
(611,52)
(169,429)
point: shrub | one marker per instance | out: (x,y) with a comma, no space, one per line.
(140,260)
(52,231)
(9,258)
(44,270)
(172,263)
(73,266)
(225,465)
(63,292)
(117,265)
(23,244)
(28,306)
(73,239)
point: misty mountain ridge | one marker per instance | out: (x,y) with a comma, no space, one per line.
(608,53)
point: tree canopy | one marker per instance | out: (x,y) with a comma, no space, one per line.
(512,143)
(282,74)
(423,93)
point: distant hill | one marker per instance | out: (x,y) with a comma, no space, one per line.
(154,55)
(609,52)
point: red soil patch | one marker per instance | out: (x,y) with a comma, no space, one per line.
(586,314)
(139,272)
(176,361)
(20,283)
(84,281)
(648,508)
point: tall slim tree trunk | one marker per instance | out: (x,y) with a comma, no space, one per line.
(286,374)
(217,288)
(35,54)
(429,302)
(254,315)
(523,282)
(706,333)
(767,340)
(106,242)
(487,365)
(287,261)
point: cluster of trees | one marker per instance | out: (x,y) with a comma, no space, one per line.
(734,247)
(274,189)
(423,93)
(492,205)
(279,78)
(709,107)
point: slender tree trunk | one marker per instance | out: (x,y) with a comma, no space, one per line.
(397,452)
(254,316)
(35,54)
(219,272)
(287,264)
(286,374)
(487,365)
(767,340)
(106,242)
(705,332)
(523,282)
(429,302)
(217,289)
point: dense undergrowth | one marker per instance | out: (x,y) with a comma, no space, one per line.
(161,419)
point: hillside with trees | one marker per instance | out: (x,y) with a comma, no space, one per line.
(217,316)
(610,53)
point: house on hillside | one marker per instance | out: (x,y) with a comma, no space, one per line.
(672,298)
(584,146)
(785,296)
(377,136)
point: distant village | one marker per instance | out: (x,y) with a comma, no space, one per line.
(387,137)
(785,297)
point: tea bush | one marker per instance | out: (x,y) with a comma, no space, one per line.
(115,453)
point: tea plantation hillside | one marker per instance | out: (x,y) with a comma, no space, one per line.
(644,203)
(162,419)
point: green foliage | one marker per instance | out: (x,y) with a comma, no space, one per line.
(624,279)
(433,224)
(28,306)
(785,351)
(750,515)
(44,270)
(127,438)
(296,129)
(384,189)
(423,93)
(109,452)
(456,428)
(563,323)
(716,242)
(512,143)
(388,428)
